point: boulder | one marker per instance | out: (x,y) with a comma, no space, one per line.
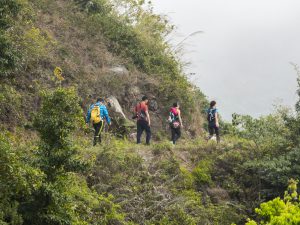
(121,126)
(119,70)
(115,106)
(153,105)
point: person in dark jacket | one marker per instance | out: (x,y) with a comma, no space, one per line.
(213,121)
(143,120)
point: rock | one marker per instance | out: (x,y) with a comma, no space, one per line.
(121,126)
(115,106)
(153,105)
(119,70)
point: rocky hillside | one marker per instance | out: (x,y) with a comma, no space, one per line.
(101,51)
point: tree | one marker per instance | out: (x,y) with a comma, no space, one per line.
(17,180)
(64,197)
(297,69)
(267,132)
(59,116)
(280,211)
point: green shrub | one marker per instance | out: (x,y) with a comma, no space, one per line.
(269,133)
(161,148)
(292,122)
(8,56)
(278,211)
(201,173)
(177,216)
(18,180)
(10,105)
(186,179)
(22,44)
(170,168)
(35,46)
(64,197)
(9,9)
(59,116)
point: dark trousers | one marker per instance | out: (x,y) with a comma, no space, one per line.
(213,129)
(141,126)
(98,129)
(176,133)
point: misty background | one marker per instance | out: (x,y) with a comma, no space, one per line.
(241,59)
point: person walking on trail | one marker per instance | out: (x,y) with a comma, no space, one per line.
(143,120)
(175,122)
(96,114)
(213,121)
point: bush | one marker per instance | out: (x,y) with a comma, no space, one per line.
(177,216)
(162,147)
(9,9)
(269,133)
(59,116)
(18,180)
(278,211)
(10,105)
(64,197)
(201,173)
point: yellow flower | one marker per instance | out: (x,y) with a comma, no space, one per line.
(58,73)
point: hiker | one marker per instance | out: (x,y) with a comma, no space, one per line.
(175,122)
(96,114)
(213,121)
(143,120)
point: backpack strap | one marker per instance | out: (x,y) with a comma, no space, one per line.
(211,114)
(174,115)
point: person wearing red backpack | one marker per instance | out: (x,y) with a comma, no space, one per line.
(175,122)
(143,120)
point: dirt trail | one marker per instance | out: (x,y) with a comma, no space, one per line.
(146,154)
(149,158)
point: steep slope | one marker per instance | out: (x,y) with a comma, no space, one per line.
(100,51)
(164,184)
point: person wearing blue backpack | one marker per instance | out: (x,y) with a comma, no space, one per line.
(213,121)
(96,114)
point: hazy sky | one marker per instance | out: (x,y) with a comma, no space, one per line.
(242,58)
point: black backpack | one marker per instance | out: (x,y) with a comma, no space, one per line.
(140,114)
(211,115)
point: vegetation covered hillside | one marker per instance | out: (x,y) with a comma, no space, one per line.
(51,175)
(101,51)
